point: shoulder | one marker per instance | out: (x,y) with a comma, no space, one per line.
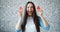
(39,18)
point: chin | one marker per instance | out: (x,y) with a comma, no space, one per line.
(30,14)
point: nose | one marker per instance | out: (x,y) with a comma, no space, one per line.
(29,9)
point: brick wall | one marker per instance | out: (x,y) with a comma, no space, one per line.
(9,17)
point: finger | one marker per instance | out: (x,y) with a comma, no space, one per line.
(38,8)
(20,9)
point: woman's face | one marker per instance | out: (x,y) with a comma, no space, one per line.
(30,9)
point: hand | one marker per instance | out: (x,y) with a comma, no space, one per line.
(39,10)
(20,11)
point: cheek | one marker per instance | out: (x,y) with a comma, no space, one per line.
(27,9)
(32,9)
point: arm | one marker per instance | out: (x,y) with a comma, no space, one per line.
(18,25)
(44,24)
(44,21)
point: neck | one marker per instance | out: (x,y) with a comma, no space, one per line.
(29,15)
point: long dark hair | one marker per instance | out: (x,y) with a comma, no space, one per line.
(35,18)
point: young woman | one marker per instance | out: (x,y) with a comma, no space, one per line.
(31,22)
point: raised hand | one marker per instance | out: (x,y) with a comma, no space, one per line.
(20,11)
(18,25)
(39,10)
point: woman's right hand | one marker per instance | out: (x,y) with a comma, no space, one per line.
(18,25)
(20,11)
(19,21)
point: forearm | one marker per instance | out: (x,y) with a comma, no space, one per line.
(19,30)
(45,23)
(18,26)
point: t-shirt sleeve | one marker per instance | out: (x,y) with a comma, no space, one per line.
(42,25)
(19,30)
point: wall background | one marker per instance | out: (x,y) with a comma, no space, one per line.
(9,17)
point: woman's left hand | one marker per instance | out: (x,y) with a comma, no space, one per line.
(45,23)
(39,10)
